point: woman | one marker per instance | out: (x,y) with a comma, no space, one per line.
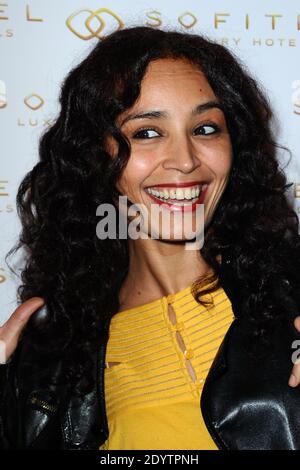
(155,119)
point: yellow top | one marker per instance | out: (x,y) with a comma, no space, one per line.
(164,349)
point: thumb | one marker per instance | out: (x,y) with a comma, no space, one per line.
(297,323)
(12,328)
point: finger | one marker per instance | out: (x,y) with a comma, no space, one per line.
(3,352)
(297,323)
(12,328)
(294,379)
(25,310)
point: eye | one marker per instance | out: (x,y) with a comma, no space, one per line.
(146,133)
(211,129)
(149,133)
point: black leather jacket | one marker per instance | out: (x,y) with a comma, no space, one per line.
(244,405)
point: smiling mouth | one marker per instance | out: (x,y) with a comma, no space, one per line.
(180,196)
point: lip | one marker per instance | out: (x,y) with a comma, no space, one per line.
(177,185)
(175,208)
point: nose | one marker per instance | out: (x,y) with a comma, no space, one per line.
(181,156)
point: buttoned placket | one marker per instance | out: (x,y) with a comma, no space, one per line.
(188,353)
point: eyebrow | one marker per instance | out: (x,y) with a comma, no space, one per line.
(200,108)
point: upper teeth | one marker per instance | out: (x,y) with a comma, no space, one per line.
(176,193)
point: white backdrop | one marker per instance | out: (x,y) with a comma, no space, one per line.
(40,40)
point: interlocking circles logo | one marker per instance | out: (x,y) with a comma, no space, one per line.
(88,24)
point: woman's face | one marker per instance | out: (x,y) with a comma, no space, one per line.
(181,156)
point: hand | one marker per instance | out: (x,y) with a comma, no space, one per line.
(11,330)
(295,375)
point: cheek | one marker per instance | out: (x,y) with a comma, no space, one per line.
(138,169)
(143,161)
(220,160)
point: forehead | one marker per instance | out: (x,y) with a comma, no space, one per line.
(171,84)
(171,65)
(170,69)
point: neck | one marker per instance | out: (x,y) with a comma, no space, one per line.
(158,268)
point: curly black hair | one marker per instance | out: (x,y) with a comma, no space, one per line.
(73,270)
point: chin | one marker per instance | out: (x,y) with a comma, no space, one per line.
(175,236)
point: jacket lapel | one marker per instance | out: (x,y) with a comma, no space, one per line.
(84,423)
(219,365)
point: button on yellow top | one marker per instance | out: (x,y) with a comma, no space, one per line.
(179,326)
(171,298)
(188,353)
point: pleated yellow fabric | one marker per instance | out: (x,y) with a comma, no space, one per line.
(164,350)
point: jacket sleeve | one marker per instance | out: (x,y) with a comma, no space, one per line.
(9,421)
